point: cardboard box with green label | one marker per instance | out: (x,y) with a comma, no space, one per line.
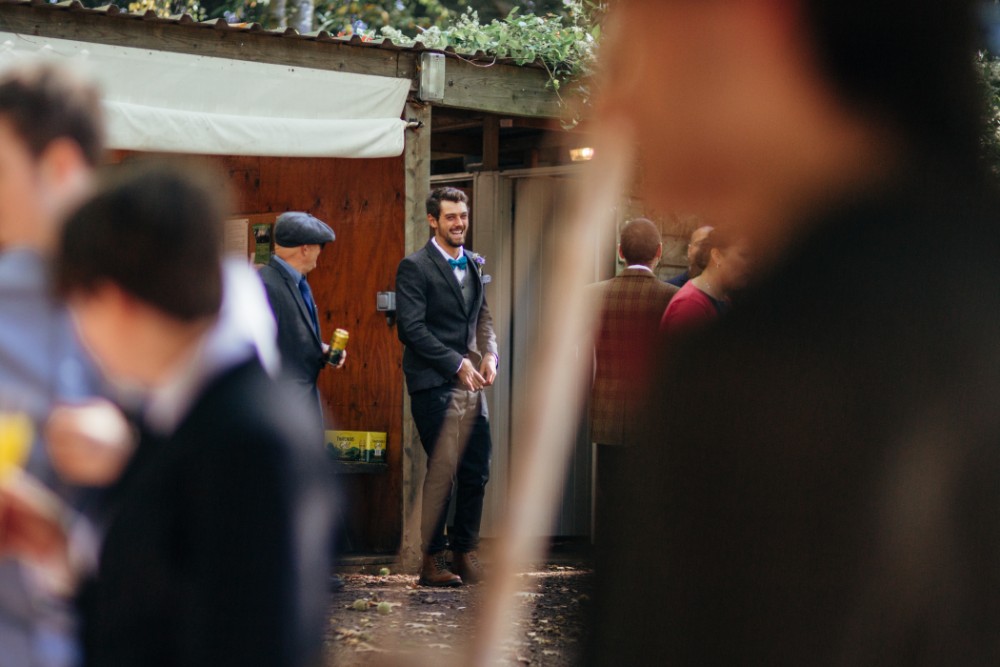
(363,446)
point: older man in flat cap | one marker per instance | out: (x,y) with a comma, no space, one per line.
(298,239)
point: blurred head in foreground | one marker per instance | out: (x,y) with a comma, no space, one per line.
(821,489)
(51,138)
(754,110)
(139,265)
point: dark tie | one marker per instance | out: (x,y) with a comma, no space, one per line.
(460,263)
(307,296)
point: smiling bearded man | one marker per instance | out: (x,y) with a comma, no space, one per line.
(450,356)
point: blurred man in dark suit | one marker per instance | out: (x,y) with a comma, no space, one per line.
(216,544)
(825,489)
(450,357)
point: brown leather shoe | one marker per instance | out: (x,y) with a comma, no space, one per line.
(467,566)
(435,572)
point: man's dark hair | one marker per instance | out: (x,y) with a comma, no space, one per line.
(155,232)
(45,102)
(910,62)
(444,194)
(640,241)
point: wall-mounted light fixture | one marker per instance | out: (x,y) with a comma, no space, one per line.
(581,154)
(432,79)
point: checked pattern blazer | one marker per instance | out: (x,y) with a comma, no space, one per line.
(631,306)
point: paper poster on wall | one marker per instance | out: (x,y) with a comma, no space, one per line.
(262,243)
(235,241)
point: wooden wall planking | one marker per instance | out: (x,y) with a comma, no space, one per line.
(365,203)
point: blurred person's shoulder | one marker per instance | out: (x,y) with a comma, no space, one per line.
(881,275)
(22,268)
(252,413)
(417,255)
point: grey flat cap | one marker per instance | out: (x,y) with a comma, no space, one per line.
(295,228)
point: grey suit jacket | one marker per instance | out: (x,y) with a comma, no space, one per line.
(433,322)
(300,346)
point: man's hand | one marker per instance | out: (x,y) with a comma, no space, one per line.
(488,369)
(469,377)
(89,444)
(32,529)
(30,520)
(326,352)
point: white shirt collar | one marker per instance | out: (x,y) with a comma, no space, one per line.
(289,269)
(441,250)
(245,318)
(641,266)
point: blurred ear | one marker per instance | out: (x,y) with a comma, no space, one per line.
(65,178)
(113,300)
(622,256)
(62,162)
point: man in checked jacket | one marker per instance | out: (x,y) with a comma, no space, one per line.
(631,306)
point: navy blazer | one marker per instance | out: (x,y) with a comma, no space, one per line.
(217,549)
(433,322)
(300,346)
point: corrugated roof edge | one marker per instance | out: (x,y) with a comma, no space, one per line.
(289,33)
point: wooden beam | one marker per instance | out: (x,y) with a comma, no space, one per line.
(559,140)
(531,123)
(456,124)
(501,89)
(456,144)
(491,143)
(417,158)
(234,44)
(417,155)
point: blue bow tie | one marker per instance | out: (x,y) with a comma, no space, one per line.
(460,263)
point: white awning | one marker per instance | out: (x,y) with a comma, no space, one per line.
(181,103)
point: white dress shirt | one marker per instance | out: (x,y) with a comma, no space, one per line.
(459,273)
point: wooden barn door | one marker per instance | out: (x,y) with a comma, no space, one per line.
(516,220)
(539,202)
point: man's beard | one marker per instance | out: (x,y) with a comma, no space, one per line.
(454,244)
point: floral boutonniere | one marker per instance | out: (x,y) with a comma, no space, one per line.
(479,261)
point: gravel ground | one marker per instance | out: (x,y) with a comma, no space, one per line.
(415,625)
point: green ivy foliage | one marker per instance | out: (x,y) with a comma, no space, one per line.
(564,43)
